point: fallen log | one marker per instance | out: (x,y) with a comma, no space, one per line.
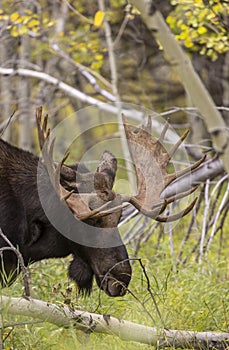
(63,316)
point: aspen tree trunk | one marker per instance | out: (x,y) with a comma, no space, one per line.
(189,78)
(7,57)
(225,83)
(24,88)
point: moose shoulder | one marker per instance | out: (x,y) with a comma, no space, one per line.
(90,200)
(25,224)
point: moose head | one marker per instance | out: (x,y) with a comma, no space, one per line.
(68,210)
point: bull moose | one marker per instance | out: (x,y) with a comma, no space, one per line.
(88,198)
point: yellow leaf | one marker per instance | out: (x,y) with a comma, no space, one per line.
(29,12)
(4,17)
(23,30)
(14,16)
(184,26)
(171,20)
(50,23)
(201,30)
(98,57)
(98,18)
(188,42)
(26,19)
(14,32)
(33,23)
(183,35)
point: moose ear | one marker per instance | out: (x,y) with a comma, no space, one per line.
(68,177)
(108,167)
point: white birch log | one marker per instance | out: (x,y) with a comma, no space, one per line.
(62,316)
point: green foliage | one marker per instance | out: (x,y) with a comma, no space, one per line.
(24,24)
(80,38)
(201,25)
(84,46)
(192,297)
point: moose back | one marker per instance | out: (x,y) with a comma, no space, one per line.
(23,221)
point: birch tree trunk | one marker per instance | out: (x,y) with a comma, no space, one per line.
(7,57)
(125,330)
(24,88)
(225,83)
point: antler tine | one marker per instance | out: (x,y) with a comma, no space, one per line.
(45,123)
(151,212)
(175,147)
(148,126)
(55,171)
(102,211)
(43,132)
(58,168)
(79,204)
(47,149)
(181,195)
(164,130)
(184,171)
(176,216)
(151,161)
(163,204)
(54,174)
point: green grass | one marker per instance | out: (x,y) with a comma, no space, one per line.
(192,297)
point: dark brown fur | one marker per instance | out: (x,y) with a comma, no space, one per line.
(24,222)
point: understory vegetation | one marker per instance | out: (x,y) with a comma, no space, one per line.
(86,63)
(163,293)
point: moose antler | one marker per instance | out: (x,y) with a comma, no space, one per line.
(46,146)
(152,178)
(78,203)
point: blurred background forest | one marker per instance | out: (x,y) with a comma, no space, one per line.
(67,41)
(59,54)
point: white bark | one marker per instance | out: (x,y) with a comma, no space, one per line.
(189,78)
(70,91)
(7,53)
(209,170)
(24,91)
(125,330)
(114,84)
(225,82)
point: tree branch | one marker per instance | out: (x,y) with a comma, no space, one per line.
(25,272)
(70,91)
(208,170)
(86,72)
(125,330)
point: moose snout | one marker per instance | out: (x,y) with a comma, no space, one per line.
(115,288)
(113,285)
(112,269)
